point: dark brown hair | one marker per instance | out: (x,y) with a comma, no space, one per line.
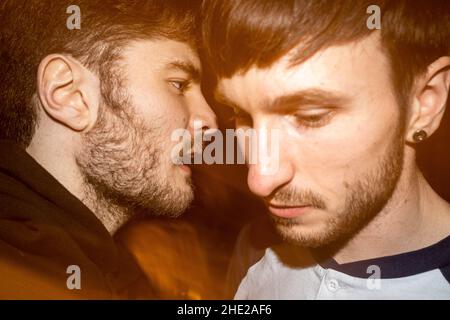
(33,29)
(238,34)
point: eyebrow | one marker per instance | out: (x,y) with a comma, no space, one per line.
(300,97)
(313,96)
(188,68)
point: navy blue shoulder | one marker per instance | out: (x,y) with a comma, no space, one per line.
(436,256)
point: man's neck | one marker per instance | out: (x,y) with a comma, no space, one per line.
(414,218)
(61,164)
(112,216)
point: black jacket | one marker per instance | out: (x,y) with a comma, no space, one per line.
(44,229)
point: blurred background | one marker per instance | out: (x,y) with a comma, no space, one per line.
(188,257)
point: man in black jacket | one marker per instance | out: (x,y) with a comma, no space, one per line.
(86,116)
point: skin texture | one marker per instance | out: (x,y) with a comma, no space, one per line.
(108,140)
(347,178)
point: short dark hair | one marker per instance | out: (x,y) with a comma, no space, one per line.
(33,29)
(238,34)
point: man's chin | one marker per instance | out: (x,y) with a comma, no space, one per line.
(171,201)
(182,206)
(305,236)
(178,206)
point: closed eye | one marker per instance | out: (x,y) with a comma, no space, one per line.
(313,120)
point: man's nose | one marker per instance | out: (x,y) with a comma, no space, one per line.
(263,184)
(202,117)
(272,168)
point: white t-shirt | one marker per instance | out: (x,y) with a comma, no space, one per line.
(289,272)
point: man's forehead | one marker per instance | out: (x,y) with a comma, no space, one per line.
(256,86)
(164,53)
(183,58)
(337,69)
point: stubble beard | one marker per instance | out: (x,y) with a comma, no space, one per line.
(365,199)
(121,162)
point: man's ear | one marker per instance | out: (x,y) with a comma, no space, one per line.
(69,92)
(430,95)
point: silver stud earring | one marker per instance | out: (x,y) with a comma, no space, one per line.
(420,136)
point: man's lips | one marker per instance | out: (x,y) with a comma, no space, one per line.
(186,168)
(288,211)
